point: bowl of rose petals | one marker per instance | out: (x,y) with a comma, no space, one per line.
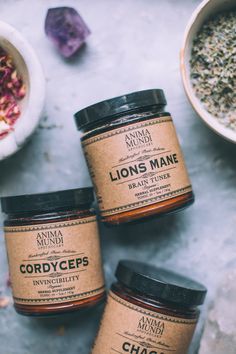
(22,90)
(208,61)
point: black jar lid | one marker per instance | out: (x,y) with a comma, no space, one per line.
(107,110)
(48,201)
(161,284)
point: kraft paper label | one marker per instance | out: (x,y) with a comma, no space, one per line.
(127,328)
(136,165)
(55,262)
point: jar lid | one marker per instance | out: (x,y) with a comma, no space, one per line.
(161,284)
(47,201)
(107,110)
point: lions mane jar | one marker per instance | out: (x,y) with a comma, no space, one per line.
(53,252)
(149,311)
(134,157)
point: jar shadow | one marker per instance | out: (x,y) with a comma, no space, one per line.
(62,322)
(59,332)
(143,231)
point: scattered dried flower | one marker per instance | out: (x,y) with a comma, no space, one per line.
(12,89)
(4,302)
(61,331)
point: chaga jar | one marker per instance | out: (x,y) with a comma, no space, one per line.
(149,311)
(53,252)
(134,157)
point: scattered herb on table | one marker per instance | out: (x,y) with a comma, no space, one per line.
(12,90)
(61,331)
(213,64)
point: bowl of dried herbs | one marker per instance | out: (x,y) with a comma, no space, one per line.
(22,90)
(208,65)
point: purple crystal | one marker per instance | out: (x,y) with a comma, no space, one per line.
(67,30)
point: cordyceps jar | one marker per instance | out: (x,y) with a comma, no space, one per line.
(149,311)
(53,252)
(134,157)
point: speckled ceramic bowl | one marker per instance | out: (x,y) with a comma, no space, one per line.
(32,105)
(205,10)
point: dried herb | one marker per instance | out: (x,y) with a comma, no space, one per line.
(213,71)
(61,331)
(12,90)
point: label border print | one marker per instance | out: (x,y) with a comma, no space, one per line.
(62,298)
(49,226)
(147,202)
(149,312)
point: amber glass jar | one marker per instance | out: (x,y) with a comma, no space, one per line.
(134,157)
(53,252)
(149,311)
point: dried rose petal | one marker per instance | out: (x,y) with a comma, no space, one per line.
(9,109)
(4,302)
(5,129)
(5,74)
(12,89)
(67,30)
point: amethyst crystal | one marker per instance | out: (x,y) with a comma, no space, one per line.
(67,30)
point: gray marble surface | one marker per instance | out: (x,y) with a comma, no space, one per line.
(134,45)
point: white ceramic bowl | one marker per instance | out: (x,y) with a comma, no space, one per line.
(205,10)
(32,105)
